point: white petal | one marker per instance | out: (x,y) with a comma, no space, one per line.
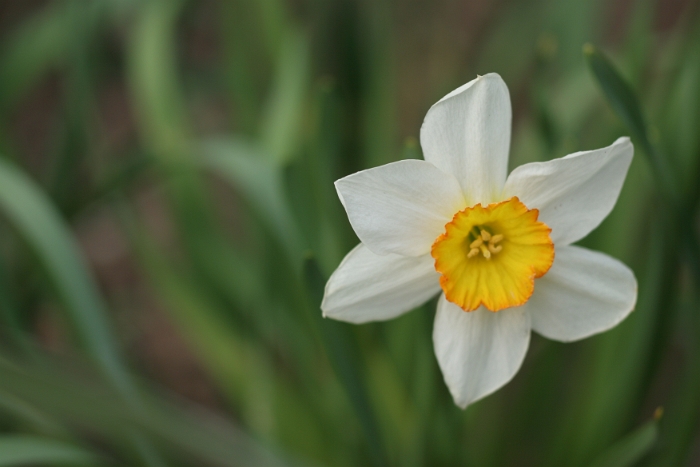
(584,293)
(575,193)
(479,351)
(400,207)
(467,134)
(369,287)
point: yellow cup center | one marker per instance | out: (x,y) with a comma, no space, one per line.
(492,255)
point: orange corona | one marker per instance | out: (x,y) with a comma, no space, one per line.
(492,255)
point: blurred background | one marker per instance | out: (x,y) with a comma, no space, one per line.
(168,221)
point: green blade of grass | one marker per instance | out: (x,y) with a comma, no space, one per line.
(37,222)
(153,81)
(624,102)
(193,434)
(38,45)
(245,167)
(342,351)
(227,358)
(31,213)
(9,311)
(630,449)
(242,60)
(18,450)
(282,124)
(679,428)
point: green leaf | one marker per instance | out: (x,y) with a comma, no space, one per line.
(9,311)
(31,450)
(153,80)
(47,234)
(242,57)
(272,21)
(32,214)
(619,94)
(377,84)
(344,355)
(247,169)
(616,365)
(680,426)
(38,45)
(624,103)
(282,125)
(632,448)
(197,315)
(193,434)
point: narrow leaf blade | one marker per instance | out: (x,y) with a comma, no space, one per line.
(625,104)
(32,214)
(630,449)
(32,450)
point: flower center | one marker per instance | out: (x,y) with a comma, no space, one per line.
(492,255)
(483,242)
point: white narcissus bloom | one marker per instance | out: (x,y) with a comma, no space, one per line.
(497,248)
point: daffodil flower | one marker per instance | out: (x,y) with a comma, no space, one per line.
(498,249)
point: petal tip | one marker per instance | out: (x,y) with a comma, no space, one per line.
(325,309)
(461,404)
(627,145)
(337,184)
(493,76)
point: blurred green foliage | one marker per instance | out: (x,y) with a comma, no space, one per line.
(207,136)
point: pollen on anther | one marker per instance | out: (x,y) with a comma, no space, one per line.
(485,235)
(476,243)
(485,251)
(495,239)
(494,249)
(473,252)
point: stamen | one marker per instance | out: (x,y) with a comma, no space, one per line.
(476,243)
(494,249)
(485,251)
(484,243)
